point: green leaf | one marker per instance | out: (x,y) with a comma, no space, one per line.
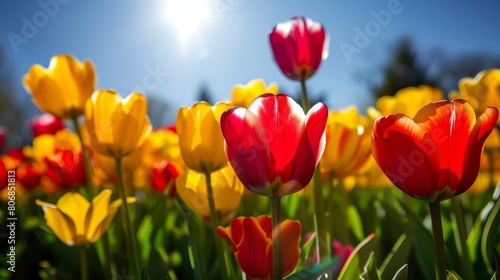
(370,271)
(145,272)
(354,266)
(143,235)
(328,267)
(494,276)
(399,254)
(424,249)
(453,276)
(496,256)
(307,251)
(291,205)
(490,233)
(355,222)
(401,274)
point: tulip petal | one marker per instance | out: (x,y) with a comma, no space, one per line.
(191,188)
(54,103)
(290,247)
(283,122)
(247,149)
(130,124)
(75,206)
(407,155)
(64,69)
(232,233)
(309,150)
(62,225)
(251,251)
(185,125)
(449,124)
(482,129)
(97,213)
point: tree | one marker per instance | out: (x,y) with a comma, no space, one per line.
(403,70)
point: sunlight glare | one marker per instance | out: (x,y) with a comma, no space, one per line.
(187,15)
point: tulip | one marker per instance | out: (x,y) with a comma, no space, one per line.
(250,238)
(46,124)
(65,170)
(481,91)
(163,175)
(28,175)
(76,221)
(344,252)
(200,137)
(273,146)
(299,45)
(435,155)
(116,126)
(63,88)
(348,146)
(4,175)
(409,100)
(243,95)
(406,101)
(227,191)
(163,144)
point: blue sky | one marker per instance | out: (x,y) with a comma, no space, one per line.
(131,42)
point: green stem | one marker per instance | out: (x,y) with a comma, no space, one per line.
(86,160)
(200,269)
(343,202)
(437,233)
(462,247)
(276,220)
(322,237)
(83,263)
(129,231)
(92,192)
(214,223)
(306,105)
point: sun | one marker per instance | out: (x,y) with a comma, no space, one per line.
(187,15)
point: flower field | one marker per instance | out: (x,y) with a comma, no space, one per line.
(258,186)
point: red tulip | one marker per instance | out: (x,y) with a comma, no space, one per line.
(299,45)
(17,155)
(4,175)
(46,124)
(273,146)
(435,155)
(28,175)
(163,174)
(342,251)
(65,169)
(250,238)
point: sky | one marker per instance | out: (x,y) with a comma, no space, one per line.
(136,45)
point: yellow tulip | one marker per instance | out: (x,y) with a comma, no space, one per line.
(163,144)
(115,126)
(481,91)
(63,88)
(243,95)
(200,136)
(408,100)
(76,221)
(227,190)
(348,143)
